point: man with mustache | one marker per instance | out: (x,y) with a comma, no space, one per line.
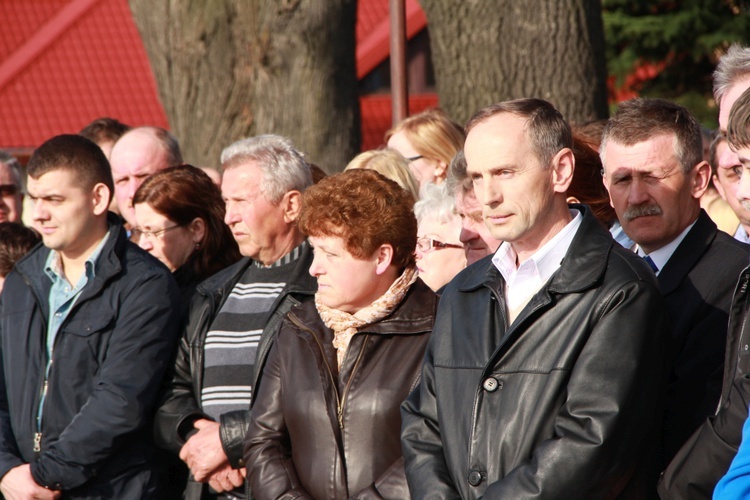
(654,170)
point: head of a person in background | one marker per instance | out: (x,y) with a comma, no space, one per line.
(138,154)
(363,231)
(587,186)
(475,236)
(180,220)
(731,79)
(738,137)
(70,183)
(428,140)
(652,152)
(590,132)
(15,241)
(726,171)
(440,254)
(11,188)
(105,132)
(389,163)
(264,178)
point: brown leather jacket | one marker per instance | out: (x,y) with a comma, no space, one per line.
(317,433)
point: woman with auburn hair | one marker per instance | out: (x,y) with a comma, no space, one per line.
(180,221)
(326,422)
(389,163)
(429,141)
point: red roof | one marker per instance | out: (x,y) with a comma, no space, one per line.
(64,63)
(67,62)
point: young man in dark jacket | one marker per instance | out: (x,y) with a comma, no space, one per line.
(542,375)
(87,329)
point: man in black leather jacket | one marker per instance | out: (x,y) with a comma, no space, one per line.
(543,373)
(234,316)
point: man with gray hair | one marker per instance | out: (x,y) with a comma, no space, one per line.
(11,194)
(235,315)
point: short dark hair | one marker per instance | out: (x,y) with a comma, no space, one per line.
(546,128)
(640,119)
(103,130)
(15,241)
(76,154)
(738,128)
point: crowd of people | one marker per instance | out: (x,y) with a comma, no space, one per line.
(517,308)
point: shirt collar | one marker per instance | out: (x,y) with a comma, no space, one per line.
(741,235)
(663,254)
(54,269)
(546,260)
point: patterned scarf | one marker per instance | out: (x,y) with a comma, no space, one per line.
(344,325)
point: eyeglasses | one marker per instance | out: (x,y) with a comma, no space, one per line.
(428,245)
(139,233)
(413,158)
(8,190)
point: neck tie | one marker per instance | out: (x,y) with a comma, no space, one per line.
(651,263)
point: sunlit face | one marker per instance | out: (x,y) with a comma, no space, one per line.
(727,101)
(654,198)
(475,235)
(727,181)
(424,169)
(438,266)
(259,226)
(345,282)
(173,246)
(517,194)
(11,199)
(135,157)
(64,212)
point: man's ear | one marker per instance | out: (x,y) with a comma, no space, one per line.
(100,198)
(291,203)
(701,176)
(383,258)
(562,167)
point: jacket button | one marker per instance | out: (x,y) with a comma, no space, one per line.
(475,478)
(491,384)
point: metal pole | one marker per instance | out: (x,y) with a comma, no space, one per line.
(399,84)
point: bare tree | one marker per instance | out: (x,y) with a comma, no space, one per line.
(488,51)
(228,69)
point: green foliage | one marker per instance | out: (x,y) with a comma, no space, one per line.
(688,35)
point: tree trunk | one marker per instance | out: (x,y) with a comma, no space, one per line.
(489,51)
(228,69)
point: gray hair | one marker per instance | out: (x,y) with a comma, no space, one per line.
(733,65)
(13,164)
(457,180)
(435,203)
(283,166)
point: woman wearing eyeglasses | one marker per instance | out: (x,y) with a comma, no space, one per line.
(180,221)
(440,254)
(326,421)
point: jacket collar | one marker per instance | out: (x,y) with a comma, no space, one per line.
(414,315)
(690,251)
(300,280)
(582,267)
(108,265)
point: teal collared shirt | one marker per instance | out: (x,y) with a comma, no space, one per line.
(62,297)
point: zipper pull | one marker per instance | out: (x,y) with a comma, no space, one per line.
(341,417)
(37,442)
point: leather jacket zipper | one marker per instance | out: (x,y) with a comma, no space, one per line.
(340,403)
